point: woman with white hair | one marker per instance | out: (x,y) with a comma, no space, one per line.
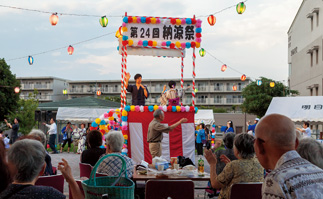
(113,164)
(311,150)
(27,160)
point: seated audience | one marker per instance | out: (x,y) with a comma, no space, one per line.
(245,169)
(228,152)
(27,158)
(94,152)
(36,133)
(112,165)
(5,177)
(311,150)
(291,175)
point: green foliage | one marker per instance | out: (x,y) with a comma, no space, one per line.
(257,98)
(220,110)
(8,98)
(26,113)
(113,98)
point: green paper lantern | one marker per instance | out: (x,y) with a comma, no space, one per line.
(104,21)
(202,52)
(241,7)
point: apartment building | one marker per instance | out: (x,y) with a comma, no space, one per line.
(210,91)
(50,89)
(305,54)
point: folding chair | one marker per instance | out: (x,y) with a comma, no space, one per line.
(55,181)
(246,190)
(79,183)
(85,170)
(159,189)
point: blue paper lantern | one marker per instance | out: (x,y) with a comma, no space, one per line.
(143,19)
(174,108)
(127,108)
(124,37)
(168,43)
(259,82)
(188,45)
(198,30)
(118,48)
(145,43)
(196,110)
(103,122)
(125,19)
(188,20)
(124,118)
(30,60)
(94,124)
(151,108)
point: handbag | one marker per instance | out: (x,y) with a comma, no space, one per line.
(117,187)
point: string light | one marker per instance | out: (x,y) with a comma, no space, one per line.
(234,87)
(272,84)
(211,19)
(53,19)
(259,82)
(103,21)
(70,50)
(17,90)
(98,93)
(224,9)
(223,67)
(48,51)
(241,7)
(243,77)
(202,52)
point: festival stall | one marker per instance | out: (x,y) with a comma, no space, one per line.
(205,116)
(159,37)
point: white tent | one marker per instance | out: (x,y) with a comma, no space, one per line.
(80,114)
(204,115)
(298,109)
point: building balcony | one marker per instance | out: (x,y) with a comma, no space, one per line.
(37,86)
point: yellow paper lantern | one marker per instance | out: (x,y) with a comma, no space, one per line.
(178,108)
(272,84)
(130,42)
(154,43)
(153,20)
(156,107)
(212,142)
(198,44)
(134,19)
(132,108)
(125,137)
(124,29)
(178,22)
(117,111)
(102,127)
(111,118)
(97,120)
(178,44)
(124,113)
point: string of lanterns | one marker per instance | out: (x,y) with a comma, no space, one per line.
(70,49)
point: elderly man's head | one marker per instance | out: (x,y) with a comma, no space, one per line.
(159,114)
(28,159)
(38,134)
(275,135)
(114,141)
(311,150)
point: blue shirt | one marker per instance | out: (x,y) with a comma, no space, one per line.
(200,136)
(252,127)
(138,96)
(229,130)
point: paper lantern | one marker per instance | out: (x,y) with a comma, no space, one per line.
(53,19)
(30,60)
(241,7)
(202,52)
(119,32)
(223,67)
(243,77)
(196,90)
(70,50)
(234,87)
(259,82)
(211,19)
(104,21)
(17,89)
(98,93)
(65,91)
(272,84)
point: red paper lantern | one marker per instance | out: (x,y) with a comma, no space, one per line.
(193,44)
(193,21)
(243,77)
(17,89)
(150,43)
(172,45)
(145,108)
(70,50)
(125,42)
(224,67)
(148,20)
(98,93)
(211,19)
(53,19)
(130,20)
(234,87)
(198,35)
(173,21)
(169,108)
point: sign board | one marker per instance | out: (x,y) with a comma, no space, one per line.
(160,36)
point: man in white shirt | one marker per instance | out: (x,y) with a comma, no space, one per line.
(52,134)
(306,131)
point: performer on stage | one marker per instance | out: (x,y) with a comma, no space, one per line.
(156,130)
(138,91)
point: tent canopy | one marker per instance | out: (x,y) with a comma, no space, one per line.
(204,115)
(79,114)
(298,109)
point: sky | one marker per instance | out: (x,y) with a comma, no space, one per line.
(254,43)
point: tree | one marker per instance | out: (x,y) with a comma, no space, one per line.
(8,98)
(113,98)
(257,98)
(26,113)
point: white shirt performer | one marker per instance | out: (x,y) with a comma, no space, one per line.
(306,131)
(52,134)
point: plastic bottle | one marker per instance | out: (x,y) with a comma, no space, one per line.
(201,165)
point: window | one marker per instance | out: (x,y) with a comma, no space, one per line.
(317,91)
(317,19)
(218,86)
(312,23)
(201,86)
(311,91)
(115,88)
(317,56)
(201,99)
(229,86)
(311,58)
(218,99)
(290,69)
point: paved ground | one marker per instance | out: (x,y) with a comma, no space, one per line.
(74,159)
